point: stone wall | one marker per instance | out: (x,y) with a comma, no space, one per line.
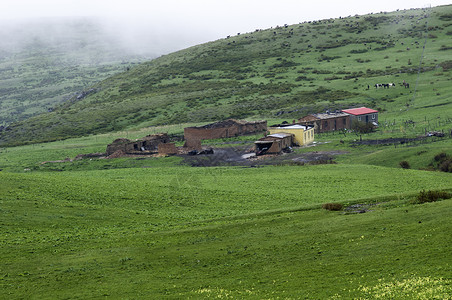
(167,148)
(224,129)
(147,144)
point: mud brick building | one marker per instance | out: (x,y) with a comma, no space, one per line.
(329,121)
(224,129)
(146,144)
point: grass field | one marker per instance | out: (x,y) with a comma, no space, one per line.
(156,228)
(175,232)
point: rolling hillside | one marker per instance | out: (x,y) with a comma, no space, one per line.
(283,72)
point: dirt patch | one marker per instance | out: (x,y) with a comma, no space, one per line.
(234,155)
(310,157)
(359,208)
(228,156)
(238,156)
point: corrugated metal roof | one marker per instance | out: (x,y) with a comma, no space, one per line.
(330,116)
(292,127)
(360,111)
(279,135)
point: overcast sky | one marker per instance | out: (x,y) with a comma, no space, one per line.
(192,22)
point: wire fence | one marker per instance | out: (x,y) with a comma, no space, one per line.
(402,132)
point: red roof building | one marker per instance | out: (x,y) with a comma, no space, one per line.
(360,111)
(363,114)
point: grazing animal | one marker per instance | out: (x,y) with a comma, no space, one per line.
(384,85)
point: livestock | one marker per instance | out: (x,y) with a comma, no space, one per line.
(384,85)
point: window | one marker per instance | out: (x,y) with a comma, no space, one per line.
(344,121)
(374,116)
(325,124)
(359,118)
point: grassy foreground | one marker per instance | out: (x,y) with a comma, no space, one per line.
(182,232)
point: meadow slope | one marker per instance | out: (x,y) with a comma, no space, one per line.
(175,232)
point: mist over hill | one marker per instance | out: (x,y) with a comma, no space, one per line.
(45,62)
(282,72)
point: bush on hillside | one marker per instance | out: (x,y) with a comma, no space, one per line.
(405,165)
(355,51)
(442,162)
(332,206)
(431,196)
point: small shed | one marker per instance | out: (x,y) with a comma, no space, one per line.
(303,135)
(273,143)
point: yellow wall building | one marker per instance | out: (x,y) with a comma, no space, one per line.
(303,135)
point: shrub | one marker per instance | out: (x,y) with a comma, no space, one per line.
(444,48)
(305,78)
(332,206)
(446,65)
(327,58)
(405,165)
(440,157)
(446,166)
(358,51)
(362,127)
(443,162)
(431,196)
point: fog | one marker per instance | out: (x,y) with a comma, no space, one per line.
(153,28)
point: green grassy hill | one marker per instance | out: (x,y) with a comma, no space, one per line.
(46,62)
(175,232)
(283,72)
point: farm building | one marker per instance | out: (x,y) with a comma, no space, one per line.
(363,114)
(329,121)
(147,144)
(224,129)
(274,143)
(303,135)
